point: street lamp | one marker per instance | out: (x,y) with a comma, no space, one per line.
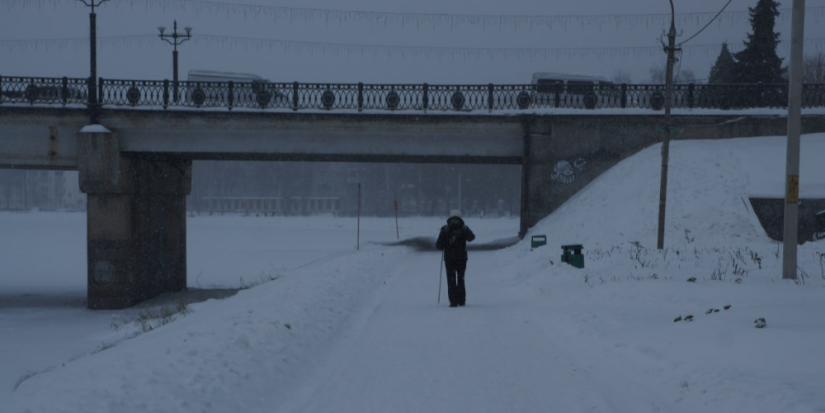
(175,39)
(93,57)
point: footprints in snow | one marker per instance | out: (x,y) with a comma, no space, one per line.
(759,322)
(689,318)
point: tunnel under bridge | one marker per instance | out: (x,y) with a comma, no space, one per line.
(136,168)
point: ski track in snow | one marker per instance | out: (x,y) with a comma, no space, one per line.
(406,354)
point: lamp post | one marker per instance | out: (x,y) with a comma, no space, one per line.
(93,107)
(175,39)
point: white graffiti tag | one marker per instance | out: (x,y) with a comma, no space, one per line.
(563,172)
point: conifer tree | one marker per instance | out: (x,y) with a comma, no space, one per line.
(758,62)
(724,70)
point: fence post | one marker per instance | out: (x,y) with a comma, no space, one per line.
(65,90)
(557,91)
(231,100)
(490,97)
(804,100)
(295,96)
(624,95)
(691,88)
(761,96)
(425,97)
(360,96)
(29,98)
(99,100)
(165,93)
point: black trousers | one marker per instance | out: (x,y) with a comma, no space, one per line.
(455,281)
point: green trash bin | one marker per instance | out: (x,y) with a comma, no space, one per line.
(537,241)
(572,254)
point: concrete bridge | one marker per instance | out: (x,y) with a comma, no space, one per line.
(136,167)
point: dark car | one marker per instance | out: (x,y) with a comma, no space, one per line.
(52,94)
(11,95)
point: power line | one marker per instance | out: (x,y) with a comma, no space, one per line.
(422,20)
(293,47)
(706,26)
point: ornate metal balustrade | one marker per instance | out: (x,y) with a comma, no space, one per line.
(420,97)
(41,90)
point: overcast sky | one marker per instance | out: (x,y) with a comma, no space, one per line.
(150,58)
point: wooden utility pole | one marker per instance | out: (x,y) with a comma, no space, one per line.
(790,236)
(671,58)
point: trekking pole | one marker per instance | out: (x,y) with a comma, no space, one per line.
(440,267)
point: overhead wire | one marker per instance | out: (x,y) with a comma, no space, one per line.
(369,50)
(708,24)
(420,20)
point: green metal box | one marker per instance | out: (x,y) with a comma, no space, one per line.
(572,254)
(537,241)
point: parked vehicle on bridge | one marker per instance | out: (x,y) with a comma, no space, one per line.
(53,94)
(569,90)
(11,95)
(34,93)
(210,88)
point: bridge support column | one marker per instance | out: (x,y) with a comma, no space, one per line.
(535,171)
(136,221)
(526,165)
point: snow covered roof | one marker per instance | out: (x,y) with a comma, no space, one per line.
(567,76)
(95,129)
(224,75)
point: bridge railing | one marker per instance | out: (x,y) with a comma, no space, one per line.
(166,94)
(43,90)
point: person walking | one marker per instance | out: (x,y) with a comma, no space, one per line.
(453,240)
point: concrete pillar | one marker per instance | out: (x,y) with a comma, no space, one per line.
(525,222)
(537,187)
(136,221)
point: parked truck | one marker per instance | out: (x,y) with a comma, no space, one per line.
(211,88)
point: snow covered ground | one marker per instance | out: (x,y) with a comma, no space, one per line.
(360,331)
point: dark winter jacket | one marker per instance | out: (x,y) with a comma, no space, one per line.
(453,239)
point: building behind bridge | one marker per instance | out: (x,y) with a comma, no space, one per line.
(294,188)
(23,190)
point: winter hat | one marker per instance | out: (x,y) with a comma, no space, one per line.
(455,213)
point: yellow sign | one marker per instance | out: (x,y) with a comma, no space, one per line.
(792,190)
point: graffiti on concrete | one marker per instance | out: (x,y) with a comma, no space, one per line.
(103,273)
(565,171)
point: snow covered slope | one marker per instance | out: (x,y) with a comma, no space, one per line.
(361,330)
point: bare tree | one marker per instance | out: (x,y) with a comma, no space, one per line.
(621,76)
(813,68)
(657,75)
(685,76)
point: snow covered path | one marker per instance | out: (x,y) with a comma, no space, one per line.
(404,353)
